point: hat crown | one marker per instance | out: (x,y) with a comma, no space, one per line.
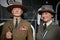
(17,3)
(47,7)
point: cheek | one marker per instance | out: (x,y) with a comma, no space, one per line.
(46,18)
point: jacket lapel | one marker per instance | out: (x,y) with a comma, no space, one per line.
(50,27)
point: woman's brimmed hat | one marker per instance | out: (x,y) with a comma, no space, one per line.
(47,8)
(16,5)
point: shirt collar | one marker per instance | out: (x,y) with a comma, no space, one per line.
(48,23)
(14,20)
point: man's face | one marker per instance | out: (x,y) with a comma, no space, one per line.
(46,16)
(17,12)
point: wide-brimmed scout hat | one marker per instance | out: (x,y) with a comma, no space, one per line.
(47,8)
(16,5)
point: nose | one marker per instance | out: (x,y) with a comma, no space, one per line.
(16,10)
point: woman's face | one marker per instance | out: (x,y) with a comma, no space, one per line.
(17,12)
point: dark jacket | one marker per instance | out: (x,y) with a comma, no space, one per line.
(53,32)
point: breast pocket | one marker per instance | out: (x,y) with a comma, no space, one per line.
(20,33)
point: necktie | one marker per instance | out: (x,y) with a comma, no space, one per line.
(44,27)
(16,25)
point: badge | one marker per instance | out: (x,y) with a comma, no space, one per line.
(22,28)
(10,2)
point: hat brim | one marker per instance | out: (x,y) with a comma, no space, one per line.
(9,8)
(40,12)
